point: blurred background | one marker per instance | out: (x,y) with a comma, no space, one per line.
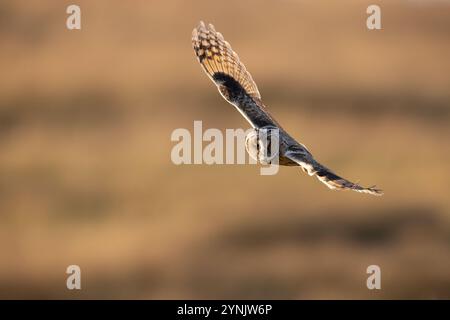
(86,176)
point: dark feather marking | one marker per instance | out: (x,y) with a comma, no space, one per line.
(202,57)
(235,90)
(328,174)
(237,95)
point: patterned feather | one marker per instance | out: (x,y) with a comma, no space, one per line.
(224,68)
(325,175)
(236,85)
(216,56)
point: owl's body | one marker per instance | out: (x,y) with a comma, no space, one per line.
(236,85)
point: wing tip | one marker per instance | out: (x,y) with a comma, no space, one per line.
(335,182)
(373,190)
(217,57)
(202,27)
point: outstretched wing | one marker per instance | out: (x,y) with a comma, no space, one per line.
(224,68)
(325,175)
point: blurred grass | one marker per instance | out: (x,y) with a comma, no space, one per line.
(86,176)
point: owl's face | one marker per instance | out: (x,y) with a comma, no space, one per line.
(263,145)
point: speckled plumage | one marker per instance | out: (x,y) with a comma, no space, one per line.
(236,85)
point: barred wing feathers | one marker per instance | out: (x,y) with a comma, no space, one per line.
(224,68)
(216,56)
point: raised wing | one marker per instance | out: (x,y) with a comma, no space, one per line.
(325,175)
(224,68)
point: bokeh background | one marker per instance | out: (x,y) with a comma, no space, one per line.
(86,176)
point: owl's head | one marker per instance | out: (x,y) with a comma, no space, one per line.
(263,144)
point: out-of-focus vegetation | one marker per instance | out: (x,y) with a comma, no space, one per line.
(86,176)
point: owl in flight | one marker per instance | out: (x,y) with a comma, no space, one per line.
(223,67)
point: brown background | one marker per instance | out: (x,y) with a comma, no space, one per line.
(86,176)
